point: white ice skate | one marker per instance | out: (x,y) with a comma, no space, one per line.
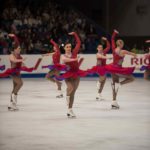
(60,95)
(115,105)
(12,107)
(14,98)
(71,114)
(13,103)
(99,97)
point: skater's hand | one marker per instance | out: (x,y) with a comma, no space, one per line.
(41,57)
(11,35)
(104,38)
(147,41)
(116,31)
(51,40)
(71,33)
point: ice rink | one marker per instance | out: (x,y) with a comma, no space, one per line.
(42,124)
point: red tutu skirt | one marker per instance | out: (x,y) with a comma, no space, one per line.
(15,71)
(119,69)
(100,70)
(72,74)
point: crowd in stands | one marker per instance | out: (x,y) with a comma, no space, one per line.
(35,23)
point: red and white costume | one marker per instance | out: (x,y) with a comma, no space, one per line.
(73,70)
(101,63)
(116,66)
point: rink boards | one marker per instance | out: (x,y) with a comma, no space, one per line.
(89,61)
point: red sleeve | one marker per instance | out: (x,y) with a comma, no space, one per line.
(37,63)
(113,40)
(15,38)
(107,47)
(55,45)
(77,47)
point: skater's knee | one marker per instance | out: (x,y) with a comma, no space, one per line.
(70,90)
(102,79)
(20,83)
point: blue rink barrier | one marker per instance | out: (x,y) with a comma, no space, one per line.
(42,75)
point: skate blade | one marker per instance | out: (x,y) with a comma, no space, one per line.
(114,107)
(97,98)
(59,96)
(12,109)
(71,117)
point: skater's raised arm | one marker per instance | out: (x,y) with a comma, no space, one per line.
(107,45)
(115,33)
(15,38)
(78,44)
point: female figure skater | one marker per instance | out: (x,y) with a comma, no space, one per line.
(73,74)
(16,62)
(55,67)
(116,67)
(99,68)
(147,68)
